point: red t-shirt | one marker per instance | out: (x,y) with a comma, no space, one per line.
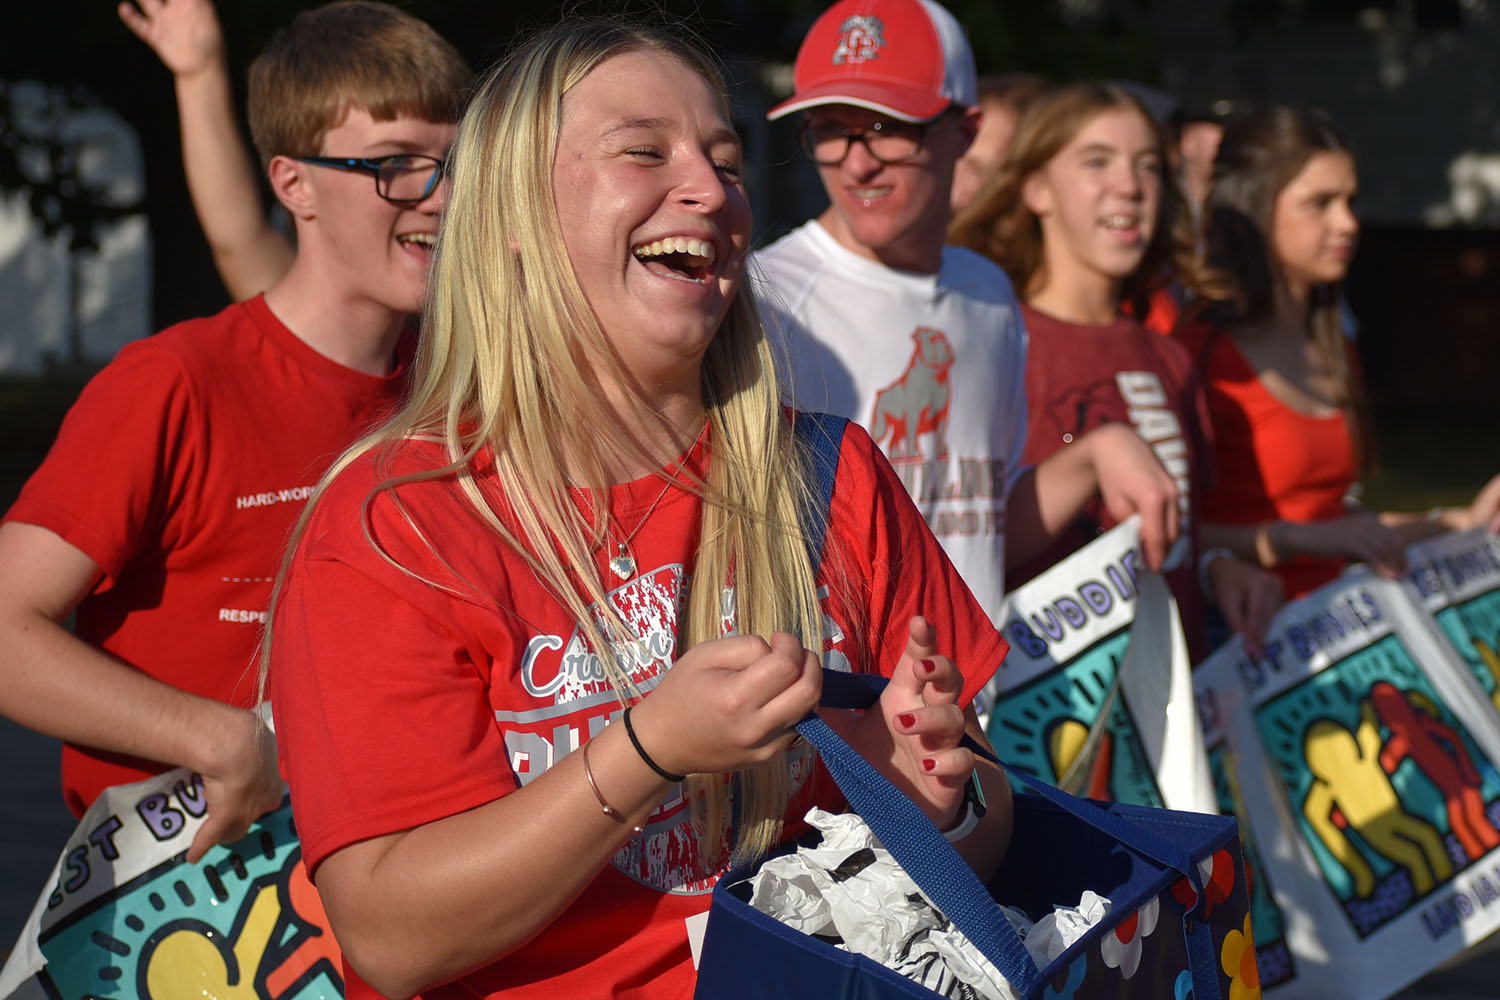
(399,702)
(1080,376)
(1165,310)
(180,471)
(1271,461)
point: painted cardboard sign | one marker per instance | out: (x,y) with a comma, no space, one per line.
(126,916)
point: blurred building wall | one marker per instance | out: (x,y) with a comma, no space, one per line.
(65,307)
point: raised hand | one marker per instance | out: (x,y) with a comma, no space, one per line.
(911,735)
(184,34)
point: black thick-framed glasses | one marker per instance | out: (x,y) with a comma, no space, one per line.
(828,144)
(401,178)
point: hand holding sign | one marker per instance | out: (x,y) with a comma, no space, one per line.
(242,781)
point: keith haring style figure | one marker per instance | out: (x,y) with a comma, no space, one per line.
(1419,735)
(1352,792)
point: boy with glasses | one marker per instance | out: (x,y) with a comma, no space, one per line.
(921,343)
(160,512)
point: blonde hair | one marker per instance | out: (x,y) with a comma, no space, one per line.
(998,223)
(507,358)
(347,54)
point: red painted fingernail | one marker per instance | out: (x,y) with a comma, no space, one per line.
(907,720)
(928,763)
(930,666)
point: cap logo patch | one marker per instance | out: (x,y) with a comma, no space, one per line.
(861,37)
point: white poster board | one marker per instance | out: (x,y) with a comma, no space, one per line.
(125,915)
(1360,757)
(1097,638)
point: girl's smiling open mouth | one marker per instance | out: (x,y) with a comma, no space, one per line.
(685,258)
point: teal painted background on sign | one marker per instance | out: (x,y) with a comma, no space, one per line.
(1024,719)
(243,924)
(1470,625)
(1338,695)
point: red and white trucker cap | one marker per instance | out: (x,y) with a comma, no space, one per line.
(908,59)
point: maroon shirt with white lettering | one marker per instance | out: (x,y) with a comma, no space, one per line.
(1078,377)
(180,471)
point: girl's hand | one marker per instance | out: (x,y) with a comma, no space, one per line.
(1132,480)
(911,735)
(729,703)
(1248,596)
(1485,510)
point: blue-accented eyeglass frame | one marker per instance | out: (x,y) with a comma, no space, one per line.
(387,170)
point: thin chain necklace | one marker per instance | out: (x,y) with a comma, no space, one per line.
(622,563)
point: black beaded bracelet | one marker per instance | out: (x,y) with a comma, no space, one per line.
(635,742)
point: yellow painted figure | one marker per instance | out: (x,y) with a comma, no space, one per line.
(1351,790)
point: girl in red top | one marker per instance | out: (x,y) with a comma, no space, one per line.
(1081,220)
(1287,405)
(591,504)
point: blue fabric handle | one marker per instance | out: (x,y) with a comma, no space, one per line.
(943,876)
(821,435)
(845,690)
(900,825)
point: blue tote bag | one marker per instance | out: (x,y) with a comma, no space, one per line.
(1178,926)
(1179,922)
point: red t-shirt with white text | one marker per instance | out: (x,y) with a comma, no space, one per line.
(399,703)
(180,471)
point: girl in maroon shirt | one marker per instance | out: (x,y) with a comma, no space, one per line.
(1081,219)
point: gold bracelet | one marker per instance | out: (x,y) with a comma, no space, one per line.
(609,810)
(1265,545)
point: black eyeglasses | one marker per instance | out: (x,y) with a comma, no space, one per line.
(401,178)
(888,141)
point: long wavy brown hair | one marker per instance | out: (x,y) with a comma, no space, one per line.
(998,224)
(1260,154)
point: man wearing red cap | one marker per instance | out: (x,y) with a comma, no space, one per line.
(922,343)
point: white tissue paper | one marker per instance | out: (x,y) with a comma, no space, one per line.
(849,891)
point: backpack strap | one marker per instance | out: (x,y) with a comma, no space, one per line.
(819,437)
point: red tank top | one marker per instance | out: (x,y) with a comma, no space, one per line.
(1271,462)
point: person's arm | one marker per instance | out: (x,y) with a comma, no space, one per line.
(1483,511)
(1360,536)
(251,255)
(421,906)
(1111,461)
(57,684)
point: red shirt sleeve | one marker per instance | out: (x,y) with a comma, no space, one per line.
(124,461)
(384,708)
(882,553)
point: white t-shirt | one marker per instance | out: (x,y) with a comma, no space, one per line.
(932,365)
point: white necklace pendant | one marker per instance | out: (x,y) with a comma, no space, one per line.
(622,564)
